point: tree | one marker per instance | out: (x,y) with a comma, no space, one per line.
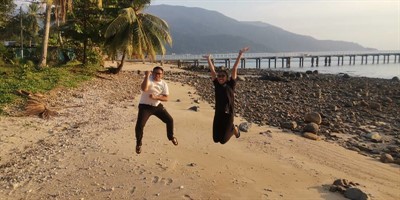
(83,26)
(45,43)
(135,33)
(31,24)
(6,9)
(62,7)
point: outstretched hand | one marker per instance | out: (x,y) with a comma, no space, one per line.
(208,56)
(244,49)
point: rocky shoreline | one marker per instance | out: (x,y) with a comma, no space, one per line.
(358,113)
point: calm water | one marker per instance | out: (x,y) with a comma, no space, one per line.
(385,71)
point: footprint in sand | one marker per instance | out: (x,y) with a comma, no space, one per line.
(138,170)
(164,181)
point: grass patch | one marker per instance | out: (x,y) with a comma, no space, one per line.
(27,77)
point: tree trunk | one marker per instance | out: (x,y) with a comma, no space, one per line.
(121,64)
(84,51)
(43,62)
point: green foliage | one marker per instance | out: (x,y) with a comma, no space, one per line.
(6,10)
(31,24)
(138,34)
(82,31)
(28,77)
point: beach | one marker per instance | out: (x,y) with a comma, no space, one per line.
(88,150)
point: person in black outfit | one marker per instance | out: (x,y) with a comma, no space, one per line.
(223,127)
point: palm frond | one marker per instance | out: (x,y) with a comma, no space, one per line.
(156,26)
(157,34)
(124,19)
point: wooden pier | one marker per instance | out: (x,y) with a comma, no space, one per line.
(286,59)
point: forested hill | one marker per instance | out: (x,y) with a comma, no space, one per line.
(198,31)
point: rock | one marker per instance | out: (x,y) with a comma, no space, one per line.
(395,79)
(241,78)
(375,106)
(386,158)
(341,182)
(311,127)
(346,76)
(333,188)
(194,108)
(374,137)
(355,194)
(333,108)
(244,126)
(313,117)
(364,103)
(289,125)
(311,136)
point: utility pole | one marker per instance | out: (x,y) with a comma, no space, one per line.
(22,36)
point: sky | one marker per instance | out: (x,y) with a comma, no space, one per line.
(370,23)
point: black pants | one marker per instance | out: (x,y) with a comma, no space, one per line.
(222,127)
(145,111)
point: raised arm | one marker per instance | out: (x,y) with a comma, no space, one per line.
(235,66)
(211,66)
(145,84)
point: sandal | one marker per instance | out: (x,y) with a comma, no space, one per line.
(138,149)
(174,141)
(237,131)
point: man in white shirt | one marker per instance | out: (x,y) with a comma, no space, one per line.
(154,90)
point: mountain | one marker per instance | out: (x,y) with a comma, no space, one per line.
(199,31)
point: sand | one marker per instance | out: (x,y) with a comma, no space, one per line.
(88,152)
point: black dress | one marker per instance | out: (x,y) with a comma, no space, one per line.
(224,111)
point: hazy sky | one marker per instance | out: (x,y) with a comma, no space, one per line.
(370,23)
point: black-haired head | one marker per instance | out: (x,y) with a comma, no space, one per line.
(158,67)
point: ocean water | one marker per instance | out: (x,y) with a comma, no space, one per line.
(384,71)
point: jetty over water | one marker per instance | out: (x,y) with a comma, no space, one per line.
(286,59)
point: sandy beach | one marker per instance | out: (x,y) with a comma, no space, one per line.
(88,152)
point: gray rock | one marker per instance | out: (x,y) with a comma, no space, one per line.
(313,117)
(395,79)
(244,126)
(355,194)
(311,127)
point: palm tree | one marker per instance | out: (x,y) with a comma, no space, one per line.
(43,61)
(31,22)
(135,33)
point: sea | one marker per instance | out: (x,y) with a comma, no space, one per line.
(381,70)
